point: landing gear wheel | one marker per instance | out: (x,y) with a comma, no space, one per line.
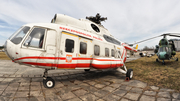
(163,62)
(157,60)
(177,59)
(48,82)
(129,74)
(86,70)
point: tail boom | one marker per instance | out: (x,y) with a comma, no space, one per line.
(129,47)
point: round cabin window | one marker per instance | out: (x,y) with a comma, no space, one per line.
(95,28)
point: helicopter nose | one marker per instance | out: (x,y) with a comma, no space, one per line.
(7,50)
(166,56)
(162,55)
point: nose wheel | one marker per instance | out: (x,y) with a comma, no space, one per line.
(157,60)
(48,82)
(163,62)
(177,59)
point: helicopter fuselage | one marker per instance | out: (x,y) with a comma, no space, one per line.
(67,43)
(165,50)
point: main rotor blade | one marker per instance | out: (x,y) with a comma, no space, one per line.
(146,39)
(172,34)
(169,34)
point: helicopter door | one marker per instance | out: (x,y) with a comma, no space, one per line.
(50,47)
(68,50)
(84,53)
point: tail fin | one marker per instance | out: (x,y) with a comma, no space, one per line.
(136,46)
(129,47)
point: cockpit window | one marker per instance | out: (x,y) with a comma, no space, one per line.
(36,38)
(163,49)
(19,35)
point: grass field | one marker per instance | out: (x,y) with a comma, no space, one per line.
(3,56)
(146,69)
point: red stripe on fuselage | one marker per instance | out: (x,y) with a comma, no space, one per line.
(54,58)
(72,65)
(41,64)
(64,58)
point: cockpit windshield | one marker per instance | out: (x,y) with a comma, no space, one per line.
(163,49)
(17,37)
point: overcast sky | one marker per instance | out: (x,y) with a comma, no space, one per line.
(128,20)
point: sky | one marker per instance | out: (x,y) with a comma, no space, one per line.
(128,20)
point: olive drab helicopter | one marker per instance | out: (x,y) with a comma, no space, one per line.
(166,49)
(68,43)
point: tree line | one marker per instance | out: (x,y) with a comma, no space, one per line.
(1,47)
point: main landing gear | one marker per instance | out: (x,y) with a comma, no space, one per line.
(129,72)
(48,82)
(163,62)
(157,60)
(175,58)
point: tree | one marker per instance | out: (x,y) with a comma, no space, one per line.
(1,47)
(146,48)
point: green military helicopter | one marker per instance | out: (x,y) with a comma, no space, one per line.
(166,49)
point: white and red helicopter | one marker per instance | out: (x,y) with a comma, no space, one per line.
(68,43)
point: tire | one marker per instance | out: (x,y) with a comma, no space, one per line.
(86,70)
(129,74)
(48,82)
(163,63)
(157,60)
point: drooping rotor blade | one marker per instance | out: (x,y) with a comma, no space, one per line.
(146,39)
(172,34)
(166,34)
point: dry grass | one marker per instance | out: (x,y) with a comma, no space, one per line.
(3,56)
(154,73)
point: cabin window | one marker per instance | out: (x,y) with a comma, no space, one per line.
(83,47)
(107,52)
(111,40)
(36,38)
(69,46)
(112,52)
(119,54)
(96,50)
